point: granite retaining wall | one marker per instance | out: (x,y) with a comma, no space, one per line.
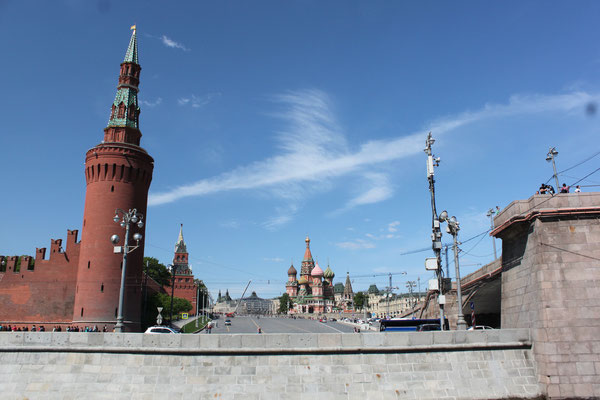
(416,365)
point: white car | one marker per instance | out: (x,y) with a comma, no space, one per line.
(161,329)
(480,328)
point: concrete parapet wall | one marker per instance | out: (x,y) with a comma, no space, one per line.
(545,202)
(466,365)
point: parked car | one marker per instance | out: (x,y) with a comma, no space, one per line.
(161,329)
(227,322)
(480,328)
(428,327)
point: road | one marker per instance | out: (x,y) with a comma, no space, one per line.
(250,324)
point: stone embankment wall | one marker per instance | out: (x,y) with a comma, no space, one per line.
(551,285)
(419,365)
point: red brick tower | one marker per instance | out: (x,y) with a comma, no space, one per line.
(118,174)
(184,285)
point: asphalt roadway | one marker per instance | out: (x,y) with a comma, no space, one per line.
(251,324)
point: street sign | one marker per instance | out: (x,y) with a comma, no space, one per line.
(184,315)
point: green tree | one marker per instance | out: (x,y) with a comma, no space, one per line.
(157,271)
(285,303)
(361,300)
(164,300)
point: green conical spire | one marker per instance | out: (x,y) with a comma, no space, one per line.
(125,110)
(132,51)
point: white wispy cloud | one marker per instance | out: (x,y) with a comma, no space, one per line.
(392,226)
(173,44)
(387,233)
(356,244)
(376,188)
(283,216)
(197,101)
(313,149)
(152,104)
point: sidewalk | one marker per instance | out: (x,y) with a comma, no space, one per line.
(181,322)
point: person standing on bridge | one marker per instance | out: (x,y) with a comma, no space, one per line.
(259,330)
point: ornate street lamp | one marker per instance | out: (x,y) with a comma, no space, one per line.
(125,219)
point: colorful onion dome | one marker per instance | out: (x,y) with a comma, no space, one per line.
(302,281)
(317,272)
(328,274)
(292,270)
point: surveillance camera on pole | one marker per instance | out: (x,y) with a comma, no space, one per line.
(436,234)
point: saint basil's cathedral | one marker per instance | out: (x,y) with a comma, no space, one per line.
(314,292)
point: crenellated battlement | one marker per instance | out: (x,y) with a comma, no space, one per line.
(38,289)
(57,252)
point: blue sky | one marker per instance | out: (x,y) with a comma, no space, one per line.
(272,120)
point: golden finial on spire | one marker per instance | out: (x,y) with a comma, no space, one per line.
(133,28)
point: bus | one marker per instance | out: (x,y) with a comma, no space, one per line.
(408,324)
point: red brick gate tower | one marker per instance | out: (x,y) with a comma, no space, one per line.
(184,285)
(118,174)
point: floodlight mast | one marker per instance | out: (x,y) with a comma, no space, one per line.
(436,235)
(552,153)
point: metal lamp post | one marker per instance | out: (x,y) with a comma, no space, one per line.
(410,285)
(172,291)
(453,228)
(552,153)
(197,304)
(125,219)
(490,214)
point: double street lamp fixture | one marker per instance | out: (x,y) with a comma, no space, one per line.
(453,228)
(125,219)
